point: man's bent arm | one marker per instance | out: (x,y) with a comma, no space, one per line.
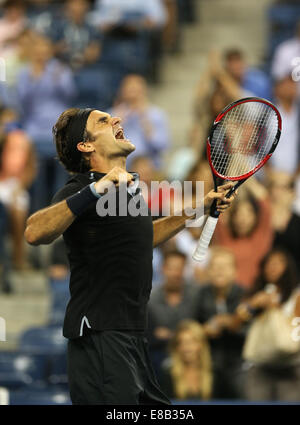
(167,227)
(44,226)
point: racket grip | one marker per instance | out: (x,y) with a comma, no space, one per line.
(205,238)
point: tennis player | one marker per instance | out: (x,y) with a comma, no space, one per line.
(110,261)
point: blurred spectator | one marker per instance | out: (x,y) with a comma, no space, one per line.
(287,154)
(217,302)
(136,14)
(285,222)
(247,230)
(12,23)
(131,35)
(284,55)
(15,60)
(42,13)
(17,171)
(143,165)
(252,80)
(170,302)
(216,89)
(171,33)
(186,241)
(145,124)
(187,372)
(158,198)
(78,44)
(273,353)
(78,41)
(19,57)
(45,89)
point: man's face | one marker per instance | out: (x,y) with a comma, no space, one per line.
(222,270)
(236,68)
(76,9)
(108,137)
(173,271)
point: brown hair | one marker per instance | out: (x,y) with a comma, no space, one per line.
(73,160)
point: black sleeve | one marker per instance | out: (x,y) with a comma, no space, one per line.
(66,191)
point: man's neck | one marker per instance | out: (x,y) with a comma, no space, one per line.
(105,165)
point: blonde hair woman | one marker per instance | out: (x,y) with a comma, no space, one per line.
(187,373)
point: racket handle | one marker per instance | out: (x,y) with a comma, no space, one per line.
(205,238)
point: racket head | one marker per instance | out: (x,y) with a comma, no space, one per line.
(242,139)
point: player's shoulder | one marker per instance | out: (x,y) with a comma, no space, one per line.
(73,185)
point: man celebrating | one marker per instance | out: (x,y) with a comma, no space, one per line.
(110,260)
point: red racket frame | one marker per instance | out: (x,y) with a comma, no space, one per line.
(219,118)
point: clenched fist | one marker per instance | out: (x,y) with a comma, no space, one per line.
(115,177)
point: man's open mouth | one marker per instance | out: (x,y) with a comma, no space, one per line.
(120,134)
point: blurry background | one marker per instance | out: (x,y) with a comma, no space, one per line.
(167,68)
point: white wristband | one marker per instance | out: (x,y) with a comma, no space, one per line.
(93,190)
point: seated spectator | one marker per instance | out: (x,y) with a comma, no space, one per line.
(247,230)
(45,89)
(19,57)
(145,124)
(12,24)
(187,373)
(42,13)
(129,28)
(170,302)
(78,44)
(285,222)
(217,302)
(284,55)
(287,154)
(274,355)
(15,60)
(17,171)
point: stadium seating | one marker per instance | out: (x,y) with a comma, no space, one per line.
(43,340)
(28,397)
(60,295)
(282,22)
(18,370)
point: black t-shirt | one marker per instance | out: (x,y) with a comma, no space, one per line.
(111,266)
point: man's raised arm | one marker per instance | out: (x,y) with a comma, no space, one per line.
(167,227)
(46,225)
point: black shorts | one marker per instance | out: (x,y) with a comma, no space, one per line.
(112,367)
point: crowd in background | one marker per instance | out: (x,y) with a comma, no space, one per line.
(219,329)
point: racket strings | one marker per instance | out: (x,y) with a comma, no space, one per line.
(243,138)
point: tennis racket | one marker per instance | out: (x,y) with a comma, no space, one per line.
(242,139)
